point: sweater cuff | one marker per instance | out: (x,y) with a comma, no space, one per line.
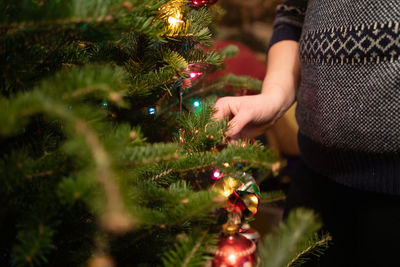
(284,32)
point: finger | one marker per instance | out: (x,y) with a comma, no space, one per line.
(238,123)
(223,108)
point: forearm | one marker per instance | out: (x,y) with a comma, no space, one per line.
(283,70)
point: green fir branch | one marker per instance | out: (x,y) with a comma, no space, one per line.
(33,246)
(191,251)
(315,246)
(279,248)
(148,154)
(29,104)
(272,197)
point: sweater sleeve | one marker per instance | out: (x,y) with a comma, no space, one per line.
(288,21)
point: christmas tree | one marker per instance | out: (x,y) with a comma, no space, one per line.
(109,154)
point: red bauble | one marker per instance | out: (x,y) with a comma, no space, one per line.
(250,233)
(235,251)
(200,3)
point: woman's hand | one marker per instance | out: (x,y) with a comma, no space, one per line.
(250,116)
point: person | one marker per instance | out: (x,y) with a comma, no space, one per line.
(340,60)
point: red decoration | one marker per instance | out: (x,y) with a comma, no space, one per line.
(244,202)
(250,233)
(235,251)
(201,3)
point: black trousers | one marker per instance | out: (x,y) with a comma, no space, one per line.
(365,226)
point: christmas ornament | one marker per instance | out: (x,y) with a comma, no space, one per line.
(201,3)
(226,186)
(234,250)
(244,202)
(242,197)
(250,233)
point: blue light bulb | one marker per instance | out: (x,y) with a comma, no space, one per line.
(152,111)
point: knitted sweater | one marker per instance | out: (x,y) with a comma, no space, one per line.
(349,96)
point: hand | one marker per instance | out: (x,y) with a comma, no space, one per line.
(250,116)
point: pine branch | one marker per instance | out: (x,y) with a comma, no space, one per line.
(33,245)
(191,251)
(316,246)
(279,248)
(26,105)
(272,197)
(148,154)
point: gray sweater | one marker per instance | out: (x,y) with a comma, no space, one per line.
(349,96)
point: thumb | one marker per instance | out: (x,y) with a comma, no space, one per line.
(238,123)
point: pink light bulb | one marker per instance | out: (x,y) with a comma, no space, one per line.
(217,174)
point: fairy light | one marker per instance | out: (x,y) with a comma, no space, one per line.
(194,75)
(173,17)
(226,165)
(196,103)
(216,174)
(152,111)
(174,21)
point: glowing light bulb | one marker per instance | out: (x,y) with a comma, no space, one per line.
(174,21)
(226,165)
(196,103)
(216,174)
(152,111)
(105,104)
(193,75)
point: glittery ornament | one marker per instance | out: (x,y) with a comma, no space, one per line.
(234,250)
(250,233)
(201,3)
(251,201)
(226,186)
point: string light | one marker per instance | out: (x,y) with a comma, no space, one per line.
(152,111)
(105,104)
(196,103)
(216,174)
(173,16)
(194,75)
(175,21)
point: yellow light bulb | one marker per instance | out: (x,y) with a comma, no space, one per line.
(174,21)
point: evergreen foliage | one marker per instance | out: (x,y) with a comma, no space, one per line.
(295,238)
(86,167)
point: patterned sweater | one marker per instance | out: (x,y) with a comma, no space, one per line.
(349,96)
